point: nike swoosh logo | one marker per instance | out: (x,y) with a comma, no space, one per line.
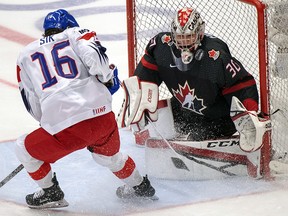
(172,66)
(44,200)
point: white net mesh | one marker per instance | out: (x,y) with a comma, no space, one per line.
(236,23)
(277,12)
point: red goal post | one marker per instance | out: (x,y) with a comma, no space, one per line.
(245,26)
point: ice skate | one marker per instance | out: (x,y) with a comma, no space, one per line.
(144,191)
(52,197)
(279,163)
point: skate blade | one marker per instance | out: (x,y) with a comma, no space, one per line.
(58,204)
(139,198)
(153,198)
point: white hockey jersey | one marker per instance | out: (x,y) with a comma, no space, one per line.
(59,79)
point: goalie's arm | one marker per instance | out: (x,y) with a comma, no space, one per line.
(246,91)
(238,82)
(147,68)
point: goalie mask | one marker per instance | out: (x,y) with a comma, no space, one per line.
(187,30)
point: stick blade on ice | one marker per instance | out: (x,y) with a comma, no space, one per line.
(178,163)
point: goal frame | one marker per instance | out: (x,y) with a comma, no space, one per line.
(263,66)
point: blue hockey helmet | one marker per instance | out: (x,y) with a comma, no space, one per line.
(59,19)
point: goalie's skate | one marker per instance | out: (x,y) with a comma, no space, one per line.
(279,163)
(143,191)
(278,167)
(52,197)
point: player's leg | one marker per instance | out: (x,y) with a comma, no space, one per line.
(40,171)
(38,149)
(106,152)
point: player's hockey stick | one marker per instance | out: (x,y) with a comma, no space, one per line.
(11,175)
(178,163)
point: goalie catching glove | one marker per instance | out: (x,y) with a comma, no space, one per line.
(140,102)
(250,127)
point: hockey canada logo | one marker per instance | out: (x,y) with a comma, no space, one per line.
(166,39)
(214,54)
(186,96)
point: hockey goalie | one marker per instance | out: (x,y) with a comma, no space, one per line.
(210,127)
(238,154)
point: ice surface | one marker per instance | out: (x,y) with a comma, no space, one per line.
(90,188)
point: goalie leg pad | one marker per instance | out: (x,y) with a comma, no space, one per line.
(208,159)
(164,124)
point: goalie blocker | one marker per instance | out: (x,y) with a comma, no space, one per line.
(140,102)
(209,159)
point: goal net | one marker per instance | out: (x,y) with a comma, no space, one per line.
(257,35)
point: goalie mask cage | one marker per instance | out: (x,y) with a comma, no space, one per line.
(248,27)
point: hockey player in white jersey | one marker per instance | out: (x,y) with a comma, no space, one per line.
(66,84)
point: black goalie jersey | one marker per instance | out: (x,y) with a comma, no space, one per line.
(206,85)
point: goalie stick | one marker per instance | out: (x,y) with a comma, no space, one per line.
(178,163)
(219,169)
(11,175)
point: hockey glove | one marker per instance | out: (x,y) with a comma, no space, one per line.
(114,84)
(140,102)
(250,127)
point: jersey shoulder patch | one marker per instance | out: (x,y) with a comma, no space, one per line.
(161,38)
(166,39)
(214,54)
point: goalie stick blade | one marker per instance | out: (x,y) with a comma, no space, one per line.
(179,164)
(278,167)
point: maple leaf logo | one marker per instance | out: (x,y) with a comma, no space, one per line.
(186,96)
(166,39)
(213,54)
